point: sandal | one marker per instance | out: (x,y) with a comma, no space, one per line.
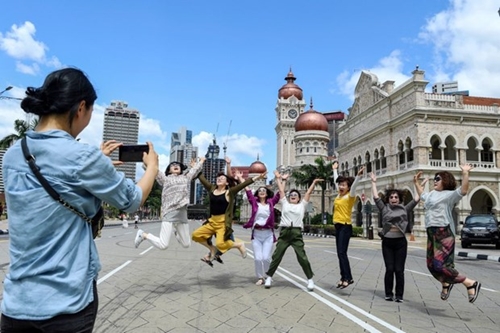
(445,295)
(346,284)
(218,259)
(206,260)
(340,283)
(472,297)
(260,281)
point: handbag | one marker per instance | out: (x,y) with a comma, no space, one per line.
(97,222)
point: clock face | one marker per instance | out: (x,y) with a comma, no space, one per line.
(292,113)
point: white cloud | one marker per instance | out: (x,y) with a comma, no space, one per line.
(388,68)
(20,44)
(466,45)
(241,149)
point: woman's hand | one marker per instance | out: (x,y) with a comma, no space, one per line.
(466,168)
(108,147)
(373,177)
(150,159)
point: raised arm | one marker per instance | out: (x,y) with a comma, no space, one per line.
(229,172)
(195,167)
(418,186)
(352,191)
(280,182)
(311,188)
(466,168)
(374,186)
(335,166)
(108,147)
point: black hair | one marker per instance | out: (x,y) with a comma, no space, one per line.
(167,170)
(230,180)
(61,92)
(269,193)
(296,191)
(401,195)
(348,180)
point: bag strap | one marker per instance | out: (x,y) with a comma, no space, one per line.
(30,159)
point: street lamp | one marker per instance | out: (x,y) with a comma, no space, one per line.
(7,97)
(8,88)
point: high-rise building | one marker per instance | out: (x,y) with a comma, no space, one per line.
(445,87)
(212,166)
(182,150)
(181,146)
(121,123)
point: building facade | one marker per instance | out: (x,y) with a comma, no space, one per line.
(121,123)
(395,132)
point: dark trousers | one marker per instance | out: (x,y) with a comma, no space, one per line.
(290,237)
(343,233)
(80,322)
(394,251)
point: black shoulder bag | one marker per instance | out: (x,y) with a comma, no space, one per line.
(97,222)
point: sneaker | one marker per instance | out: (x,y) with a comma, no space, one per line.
(138,238)
(389,298)
(310,285)
(399,300)
(268,282)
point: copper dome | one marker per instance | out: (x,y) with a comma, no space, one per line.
(290,88)
(311,120)
(257,167)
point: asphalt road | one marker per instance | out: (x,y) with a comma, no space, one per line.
(148,290)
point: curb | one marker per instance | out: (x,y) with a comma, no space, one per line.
(478,256)
(317,235)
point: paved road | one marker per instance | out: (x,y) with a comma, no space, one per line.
(148,290)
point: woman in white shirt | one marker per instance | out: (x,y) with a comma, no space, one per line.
(292,215)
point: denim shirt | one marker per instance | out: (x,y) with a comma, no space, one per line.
(53,258)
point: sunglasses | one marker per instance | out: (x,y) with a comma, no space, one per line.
(262,190)
(437,179)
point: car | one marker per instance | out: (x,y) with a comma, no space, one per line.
(480,229)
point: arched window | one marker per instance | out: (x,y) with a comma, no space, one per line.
(486,153)
(409,150)
(401,153)
(383,159)
(368,162)
(377,161)
(471,154)
(435,153)
(450,153)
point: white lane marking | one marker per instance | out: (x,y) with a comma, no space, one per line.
(347,256)
(146,250)
(429,275)
(348,315)
(105,277)
(336,308)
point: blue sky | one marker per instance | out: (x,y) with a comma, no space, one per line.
(202,64)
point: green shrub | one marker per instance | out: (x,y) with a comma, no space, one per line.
(357,231)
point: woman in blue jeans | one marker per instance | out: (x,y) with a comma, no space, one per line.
(394,244)
(342,211)
(51,283)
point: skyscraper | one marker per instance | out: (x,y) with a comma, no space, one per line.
(182,150)
(121,123)
(181,146)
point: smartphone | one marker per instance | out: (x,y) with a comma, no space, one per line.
(132,153)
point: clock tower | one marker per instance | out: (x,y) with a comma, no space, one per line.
(289,106)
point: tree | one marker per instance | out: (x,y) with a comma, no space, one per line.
(306,174)
(21,127)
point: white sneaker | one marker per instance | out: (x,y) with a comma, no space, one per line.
(268,282)
(138,238)
(310,285)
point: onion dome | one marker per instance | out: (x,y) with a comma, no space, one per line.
(290,88)
(311,121)
(257,167)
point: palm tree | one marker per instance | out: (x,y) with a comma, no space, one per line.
(21,127)
(305,175)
